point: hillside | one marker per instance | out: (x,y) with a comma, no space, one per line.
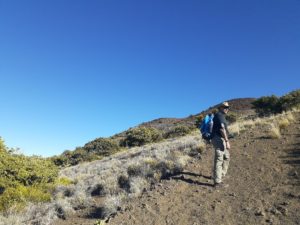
(240,106)
(264,187)
(263,180)
(148,132)
(168,181)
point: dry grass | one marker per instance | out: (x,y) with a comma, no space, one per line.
(273,124)
(283,123)
(274,131)
(124,175)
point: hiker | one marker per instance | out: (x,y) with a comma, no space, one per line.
(221,144)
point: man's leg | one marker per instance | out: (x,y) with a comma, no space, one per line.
(226,161)
(218,169)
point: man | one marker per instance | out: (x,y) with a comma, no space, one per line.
(221,144)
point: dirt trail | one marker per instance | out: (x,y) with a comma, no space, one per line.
(264,188)
(263,180)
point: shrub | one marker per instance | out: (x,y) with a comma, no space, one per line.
(274,132)
(283,123)
(2,146)
(24,179)
(102,146)
(178,131)
(75,157)
(290,100)
(267,105)
(27,170)
(141,135)
(123,182)
(20,195)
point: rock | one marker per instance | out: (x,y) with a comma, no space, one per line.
(269,221)
(274,211)
(259,213)
(285,203)
(232,194)
(282,210)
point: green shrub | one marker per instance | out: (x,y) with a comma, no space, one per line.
(141,135)
(20,195)
(24,179)
(27,170)
(289,101)
(2,146)
(267,105)
(178,131)
(102,146)
(75,157)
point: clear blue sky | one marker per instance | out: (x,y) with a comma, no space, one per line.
(72,71)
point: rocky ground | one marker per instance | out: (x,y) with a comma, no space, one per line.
(264,188)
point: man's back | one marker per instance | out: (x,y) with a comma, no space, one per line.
(219,118)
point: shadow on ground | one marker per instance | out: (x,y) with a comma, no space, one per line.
(292,158)
(181,177)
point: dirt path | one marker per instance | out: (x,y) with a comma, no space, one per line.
(263,188)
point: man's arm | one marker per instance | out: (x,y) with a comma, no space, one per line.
(223,132)
(224,135)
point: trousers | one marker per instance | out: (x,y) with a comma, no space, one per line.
(221,159)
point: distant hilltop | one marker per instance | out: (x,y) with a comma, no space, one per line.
(240,106)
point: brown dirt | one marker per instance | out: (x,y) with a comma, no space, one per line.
(264,188)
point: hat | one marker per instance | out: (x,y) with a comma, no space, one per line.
(225,105)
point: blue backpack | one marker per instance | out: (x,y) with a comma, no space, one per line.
(206,127)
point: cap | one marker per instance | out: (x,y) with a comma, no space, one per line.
(224,105)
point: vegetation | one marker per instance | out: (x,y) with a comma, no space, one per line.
(102,146)
(71,158)
(24,179)
(141,135)
(93,150)
(268,105)
(178,131)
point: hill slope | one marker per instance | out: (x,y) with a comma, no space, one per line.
(263,180)
(264,187)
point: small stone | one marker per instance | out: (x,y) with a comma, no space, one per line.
(260,213)
(269,221)
(232,194)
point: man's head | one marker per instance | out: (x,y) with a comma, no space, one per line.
(224,107)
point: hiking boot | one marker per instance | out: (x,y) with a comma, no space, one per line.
(220,185)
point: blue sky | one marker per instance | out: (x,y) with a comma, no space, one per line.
(72,71)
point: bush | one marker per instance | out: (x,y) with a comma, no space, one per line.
(268,105)
(289,101)
(141,135)
(178,131)
(24,179)
(20,195)
(27,170)
(75,157)
(102,147)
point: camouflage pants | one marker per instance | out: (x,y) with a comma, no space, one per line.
(222,158)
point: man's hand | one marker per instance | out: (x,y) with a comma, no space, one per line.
(227,145)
